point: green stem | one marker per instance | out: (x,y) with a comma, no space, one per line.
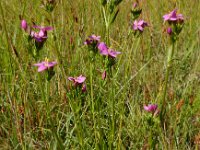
(55,134)
(108,34)
(169,64)
(73,102)
(107,25)
(92,100)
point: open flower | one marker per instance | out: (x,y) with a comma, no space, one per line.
(104,50)
(139,25)
(79,81)
(152,108)
(93,39)
(173,17)
(45,65)
(40,36)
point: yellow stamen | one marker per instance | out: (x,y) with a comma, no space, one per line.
(46,62)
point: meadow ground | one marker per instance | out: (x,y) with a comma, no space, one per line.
(108,107)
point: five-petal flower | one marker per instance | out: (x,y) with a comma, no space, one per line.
(45,65)
(173,16)
(40,36)
(139,25)
(104,50)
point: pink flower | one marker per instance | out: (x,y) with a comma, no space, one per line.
(139,25)
(173,16)
(104,50)
(24,24)
(151,108)
(45,65)
(77,80)
(42,34)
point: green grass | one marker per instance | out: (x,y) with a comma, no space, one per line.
(36,114)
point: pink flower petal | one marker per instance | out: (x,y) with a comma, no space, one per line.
(103,48)
(80,79)
(42,68)
(71,79)
(40,64)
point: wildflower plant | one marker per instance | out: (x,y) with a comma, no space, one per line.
(175,21)
(76,98)
(152,123)
(41,36)
(36,38)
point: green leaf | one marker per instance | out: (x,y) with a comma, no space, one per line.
(114,16)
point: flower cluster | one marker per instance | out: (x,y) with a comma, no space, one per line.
(175,22)
(95,42)
(40,36)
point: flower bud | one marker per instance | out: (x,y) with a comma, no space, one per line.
(169,31)
(84,89)
(24,24)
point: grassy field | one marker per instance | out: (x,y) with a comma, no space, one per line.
(49,110)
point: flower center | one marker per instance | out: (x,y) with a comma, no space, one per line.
(46,64)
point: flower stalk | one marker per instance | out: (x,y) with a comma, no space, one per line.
(169,65)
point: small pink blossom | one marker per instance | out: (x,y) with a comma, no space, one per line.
(104,50)
(151,108)
(173,16)
(45,65)
(139,25)
(79,81)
